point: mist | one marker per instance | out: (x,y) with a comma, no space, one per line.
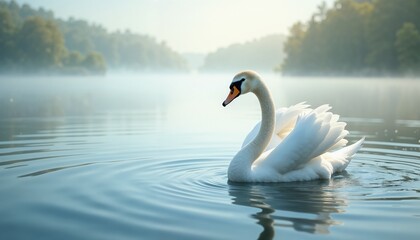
(112,124)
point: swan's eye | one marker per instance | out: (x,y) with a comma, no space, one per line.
(237,85)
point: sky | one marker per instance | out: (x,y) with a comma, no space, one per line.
(189,26)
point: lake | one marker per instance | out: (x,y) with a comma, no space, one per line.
(145,157)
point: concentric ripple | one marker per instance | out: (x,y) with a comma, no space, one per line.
(126,178)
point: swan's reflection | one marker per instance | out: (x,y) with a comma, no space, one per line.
(305,206)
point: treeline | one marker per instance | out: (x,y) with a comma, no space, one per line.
(357,37)
(35,41)
(263,54)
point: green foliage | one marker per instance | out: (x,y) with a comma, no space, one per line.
(7,44)
(34,40)
(352,37)
(95,62)
(41,44)
(408,48)
(76,63)
(73,59)
(120,49)
(262,54)
(293,47)
(386,19)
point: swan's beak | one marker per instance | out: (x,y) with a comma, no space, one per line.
(234,93)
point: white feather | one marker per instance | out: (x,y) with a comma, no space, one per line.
(291,144)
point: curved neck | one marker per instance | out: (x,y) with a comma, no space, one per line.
(263,137)
(241,165)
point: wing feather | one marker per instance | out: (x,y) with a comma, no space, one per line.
(314,133)
(285,121)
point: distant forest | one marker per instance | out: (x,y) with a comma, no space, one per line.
(357,37)
(352,37)
(35,41)
(262,54)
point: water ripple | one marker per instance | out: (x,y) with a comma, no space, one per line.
(142,183)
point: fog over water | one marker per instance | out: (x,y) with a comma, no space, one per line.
(128,156)
(112,124)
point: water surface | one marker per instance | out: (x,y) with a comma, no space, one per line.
(145,157)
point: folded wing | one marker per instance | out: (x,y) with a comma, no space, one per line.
(285,122)
(315,133)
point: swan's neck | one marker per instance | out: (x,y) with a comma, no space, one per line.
(240,168)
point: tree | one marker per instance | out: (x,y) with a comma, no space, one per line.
(408,48)
(34,40)
(41,43)
(386,19)
(293,48)
(7,35)
(332,42)
(354,37)
(343,45)
(94,62)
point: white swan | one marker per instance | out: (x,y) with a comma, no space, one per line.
(290,144)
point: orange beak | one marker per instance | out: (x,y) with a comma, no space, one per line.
(234,93)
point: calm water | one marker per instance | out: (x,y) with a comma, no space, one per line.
(145,157)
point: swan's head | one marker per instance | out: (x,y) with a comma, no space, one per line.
(243,82)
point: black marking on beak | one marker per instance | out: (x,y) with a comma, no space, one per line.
(237,84)
(235,91)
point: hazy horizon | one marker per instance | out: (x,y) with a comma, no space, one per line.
(205,27)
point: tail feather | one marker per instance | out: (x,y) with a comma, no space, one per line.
(350,150)
(342,157)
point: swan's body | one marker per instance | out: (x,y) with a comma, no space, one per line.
(290,144)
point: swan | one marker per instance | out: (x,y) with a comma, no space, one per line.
(291,144)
